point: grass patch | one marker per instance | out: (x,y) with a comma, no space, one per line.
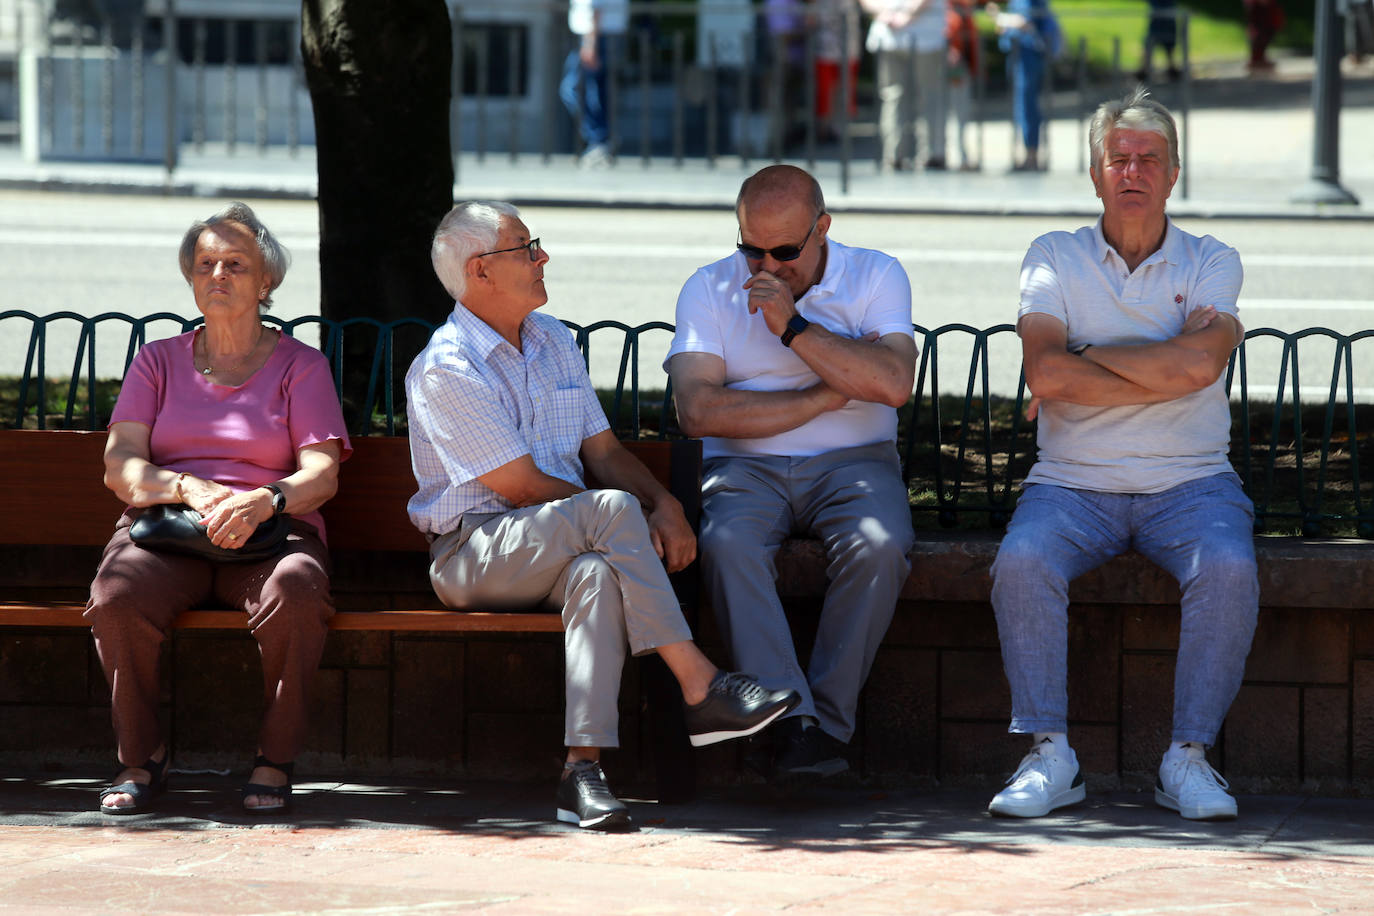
(1213,38)
(1216,33)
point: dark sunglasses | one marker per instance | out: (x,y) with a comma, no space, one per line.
(782,252)
(532,245)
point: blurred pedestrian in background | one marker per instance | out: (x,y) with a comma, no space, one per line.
(908,37)
(1030,37)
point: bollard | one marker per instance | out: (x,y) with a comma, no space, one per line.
(513,94)
(1324,185)
(198,123)
(455,108)
(169,132)
(645,103)
(231,87)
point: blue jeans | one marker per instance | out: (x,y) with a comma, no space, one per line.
(1200,532)
(1027,70)
(592,110)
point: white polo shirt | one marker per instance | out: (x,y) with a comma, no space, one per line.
(861,292)
(1079,279)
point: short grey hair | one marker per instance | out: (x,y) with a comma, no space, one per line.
(1134,111)
(275,258)
(469,228)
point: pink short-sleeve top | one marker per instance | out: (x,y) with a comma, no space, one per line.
(242,436)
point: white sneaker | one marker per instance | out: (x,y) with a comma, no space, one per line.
(1045,780)
(1188,784)
(595,157)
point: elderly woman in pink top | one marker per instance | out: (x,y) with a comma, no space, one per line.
(241,423)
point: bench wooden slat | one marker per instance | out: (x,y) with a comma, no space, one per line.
(51,487)
(367,513)
(69,614)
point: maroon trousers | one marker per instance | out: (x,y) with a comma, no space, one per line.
(137,594)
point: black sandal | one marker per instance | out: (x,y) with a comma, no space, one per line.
(257,788)
(144,794)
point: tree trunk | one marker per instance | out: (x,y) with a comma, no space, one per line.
(379,77)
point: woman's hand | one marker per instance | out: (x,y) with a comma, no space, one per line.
(201,495)
(233,519)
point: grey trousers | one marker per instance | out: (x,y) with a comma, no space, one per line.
(855,501)
(588,556)
(911,93)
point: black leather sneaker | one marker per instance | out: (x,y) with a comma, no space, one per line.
(807,752)
(736,706)
(584,799)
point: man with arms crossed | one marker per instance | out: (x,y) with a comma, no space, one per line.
(1126,328)
(790,359)
(502,421)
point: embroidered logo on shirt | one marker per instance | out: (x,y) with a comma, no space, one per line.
(1178,297)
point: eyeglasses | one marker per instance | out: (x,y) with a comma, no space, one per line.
(532,245)
(782,252)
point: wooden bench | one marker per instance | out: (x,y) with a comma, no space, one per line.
(51,493)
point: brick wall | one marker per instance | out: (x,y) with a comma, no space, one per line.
(935,711)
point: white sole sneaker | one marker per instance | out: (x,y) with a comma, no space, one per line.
(611,820)
(709,738)
(1217,811)
(1014,807)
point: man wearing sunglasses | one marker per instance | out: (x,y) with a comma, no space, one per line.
(790,359)
(503,419)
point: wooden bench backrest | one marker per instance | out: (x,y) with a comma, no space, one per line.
(51,490)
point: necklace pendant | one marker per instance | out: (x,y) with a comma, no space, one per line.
(207,370)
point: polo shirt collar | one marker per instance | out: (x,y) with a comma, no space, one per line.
(836,258)
(1171,252)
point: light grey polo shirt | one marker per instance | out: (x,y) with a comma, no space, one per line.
(1079,279)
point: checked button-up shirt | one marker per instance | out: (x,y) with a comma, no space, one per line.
(476,403)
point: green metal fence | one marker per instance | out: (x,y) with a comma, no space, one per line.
(964,446)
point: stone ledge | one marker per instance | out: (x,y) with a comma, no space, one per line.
(954,566)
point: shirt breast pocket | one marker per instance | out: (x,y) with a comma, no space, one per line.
(566,421)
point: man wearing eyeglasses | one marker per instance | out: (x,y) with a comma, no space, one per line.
(790,359)
(503,420)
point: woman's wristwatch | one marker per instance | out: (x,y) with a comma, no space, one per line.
(278,499)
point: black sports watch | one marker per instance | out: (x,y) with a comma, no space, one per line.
(795,325)
(278,498)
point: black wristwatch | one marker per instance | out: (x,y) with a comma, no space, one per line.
(278,498)
(795,325)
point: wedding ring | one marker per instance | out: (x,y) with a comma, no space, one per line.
(233,537)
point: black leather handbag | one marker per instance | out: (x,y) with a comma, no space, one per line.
(177,528)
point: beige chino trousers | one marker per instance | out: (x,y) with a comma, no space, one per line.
(590,557)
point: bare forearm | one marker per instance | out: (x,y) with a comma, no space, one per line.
(1165,367)
(861,370)
(1078,380)
(544,488)
(139,482)
(308,489)
(620,470)
(734,414)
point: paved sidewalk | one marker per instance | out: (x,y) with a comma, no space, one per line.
(457,847)
(1248,149)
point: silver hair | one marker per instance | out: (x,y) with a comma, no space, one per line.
(275,258)
(1135,111)
(469,228)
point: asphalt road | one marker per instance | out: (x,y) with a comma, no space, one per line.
(93,253)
